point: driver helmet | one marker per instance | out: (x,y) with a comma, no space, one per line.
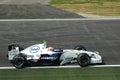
(50,48)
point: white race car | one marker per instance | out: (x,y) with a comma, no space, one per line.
(40,54)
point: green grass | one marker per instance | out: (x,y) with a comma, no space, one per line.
(94,7)
(61,74)
(80,1)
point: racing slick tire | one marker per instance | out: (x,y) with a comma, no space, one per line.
(83,60)
(80,47)
(19,62)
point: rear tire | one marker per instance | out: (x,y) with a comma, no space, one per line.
(19,62)
(83,60)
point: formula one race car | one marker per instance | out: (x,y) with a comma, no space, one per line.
(40,54)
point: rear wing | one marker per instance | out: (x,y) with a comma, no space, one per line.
(13,50)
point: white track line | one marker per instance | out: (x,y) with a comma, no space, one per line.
(74,66)
(68,19)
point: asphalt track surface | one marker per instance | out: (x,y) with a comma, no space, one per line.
(24,1)
(34,11)
(101,35)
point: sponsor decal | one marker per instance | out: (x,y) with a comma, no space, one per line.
(48,58)
(51,57)
(34,49)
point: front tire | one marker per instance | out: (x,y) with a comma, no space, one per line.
(80,47)
(83,60)
(19,62)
